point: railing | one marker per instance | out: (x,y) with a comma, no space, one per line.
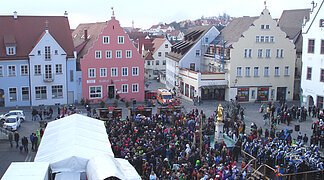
(4,133)
(267,172)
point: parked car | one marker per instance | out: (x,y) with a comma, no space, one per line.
(19,113)
(12,123)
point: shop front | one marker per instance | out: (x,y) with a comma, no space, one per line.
(263,94)
(242,94)
(213,93)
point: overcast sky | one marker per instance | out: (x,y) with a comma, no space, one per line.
(145,13)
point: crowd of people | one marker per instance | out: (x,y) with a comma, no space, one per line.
(163,146)
(22,143)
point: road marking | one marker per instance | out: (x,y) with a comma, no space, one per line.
(28,157)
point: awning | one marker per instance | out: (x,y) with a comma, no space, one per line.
(215,87)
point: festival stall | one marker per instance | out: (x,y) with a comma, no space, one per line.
(69,143)
(102,167)
(27,171)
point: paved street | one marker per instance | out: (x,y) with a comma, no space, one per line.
(8,155)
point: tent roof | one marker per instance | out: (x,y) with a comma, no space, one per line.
(26,171)
(102,167)
(69,143)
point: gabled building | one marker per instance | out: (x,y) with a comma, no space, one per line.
(261,59)
(37,61)
(110,63)
(312,79)
(291,22)
(185,71)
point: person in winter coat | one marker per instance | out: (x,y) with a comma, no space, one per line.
(16,136)
(24,142)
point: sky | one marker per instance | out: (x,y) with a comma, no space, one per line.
(146,13)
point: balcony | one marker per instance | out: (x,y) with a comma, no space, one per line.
(48,77)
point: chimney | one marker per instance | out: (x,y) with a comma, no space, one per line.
(85,33)
(15,15)
(65,14)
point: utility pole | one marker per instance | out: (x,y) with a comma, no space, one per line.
(200,134)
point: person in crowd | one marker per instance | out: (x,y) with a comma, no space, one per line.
(16,137)
(24,142)
(10,138)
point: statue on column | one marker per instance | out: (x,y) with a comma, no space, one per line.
(220,113)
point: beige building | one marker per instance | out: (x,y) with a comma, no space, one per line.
(261,62)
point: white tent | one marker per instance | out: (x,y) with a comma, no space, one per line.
(69,143)
(27,171)
(102,167)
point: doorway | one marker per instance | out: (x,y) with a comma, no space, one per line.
(281,93)
(2,100)
(111,91)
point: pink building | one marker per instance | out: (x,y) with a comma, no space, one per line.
(110,63)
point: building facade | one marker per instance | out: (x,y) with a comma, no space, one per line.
(262,59)
(37,61)
(312,80)
(111,66)
(185,72)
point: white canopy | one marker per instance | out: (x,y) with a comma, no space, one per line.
(27,171)
(102,167)
(69,143)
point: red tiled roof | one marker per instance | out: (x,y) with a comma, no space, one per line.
(25,32)
(147,43)
(149,56)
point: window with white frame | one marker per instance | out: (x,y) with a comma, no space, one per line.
(257,39)
(56,52)
(164,62)
(256,71)
(271,39)
(259,53)
(108,54)
(124,88)
(118,54)
(128,53)
(24,70)
(114,72)
(134,87)
(135,71)
(103,72)
(239,71)
(120,39)
(266,39)
(166,45)
(159,54)
(268,53)
(247,53)
(47,53)
(58,69)
(13,94)
(197,52)
(37,70)
(98,54)
(262,39)
(277,71)
(266,72)
(125,71)
(57,91)
(247,71)
(11,50)
(25,93)
(157,62)
(95,92)
(11,70)
(105,40)
(280,53)
(166,53)
(286,70)
(148,62)
(40,92)
(1,71)
(48,71)
(91,73)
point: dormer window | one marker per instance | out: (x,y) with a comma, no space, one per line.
(11,50)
